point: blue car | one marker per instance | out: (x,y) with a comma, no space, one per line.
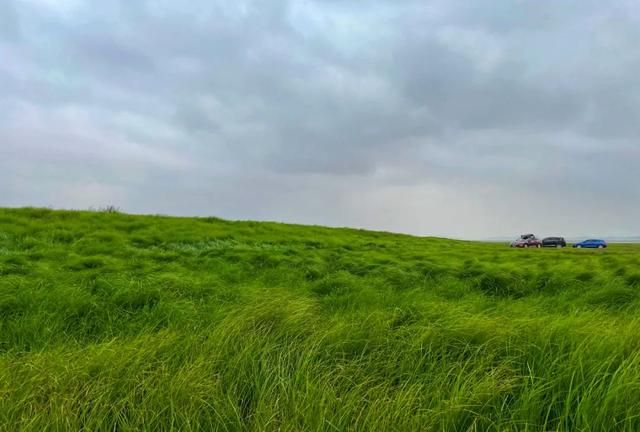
(591,243)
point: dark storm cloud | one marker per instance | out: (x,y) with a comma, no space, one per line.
(403,115)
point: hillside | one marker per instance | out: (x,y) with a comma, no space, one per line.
(119,322)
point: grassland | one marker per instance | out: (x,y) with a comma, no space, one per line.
(118,322)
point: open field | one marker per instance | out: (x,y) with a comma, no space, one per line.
(117,322)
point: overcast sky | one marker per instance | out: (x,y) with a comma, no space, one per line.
(454,118)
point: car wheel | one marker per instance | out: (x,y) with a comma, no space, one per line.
(600,247)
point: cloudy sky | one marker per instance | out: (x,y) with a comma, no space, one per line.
(455,118)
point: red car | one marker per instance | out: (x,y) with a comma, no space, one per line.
(527,241)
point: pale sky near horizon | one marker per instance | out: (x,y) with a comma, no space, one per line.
(469,119)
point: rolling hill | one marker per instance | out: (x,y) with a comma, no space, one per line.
(116,322)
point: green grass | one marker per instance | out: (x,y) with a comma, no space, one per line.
(118,322)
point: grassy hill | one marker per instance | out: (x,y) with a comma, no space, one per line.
(118,322)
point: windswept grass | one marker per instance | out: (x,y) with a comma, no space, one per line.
(118,322)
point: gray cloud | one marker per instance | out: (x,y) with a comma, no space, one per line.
(8,21)
(442,117)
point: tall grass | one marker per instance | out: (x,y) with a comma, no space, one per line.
(118,322)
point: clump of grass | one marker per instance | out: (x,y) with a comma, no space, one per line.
(334,284)
(585,276)
(633,279)
(109,209)
(135,298)
(612,296)
(500,285)
(118,322)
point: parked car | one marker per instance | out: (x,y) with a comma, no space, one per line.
(591,243)
(557,242)
(527,241)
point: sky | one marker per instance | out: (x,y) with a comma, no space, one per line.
(466,119)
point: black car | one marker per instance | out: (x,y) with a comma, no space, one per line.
(557,242)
